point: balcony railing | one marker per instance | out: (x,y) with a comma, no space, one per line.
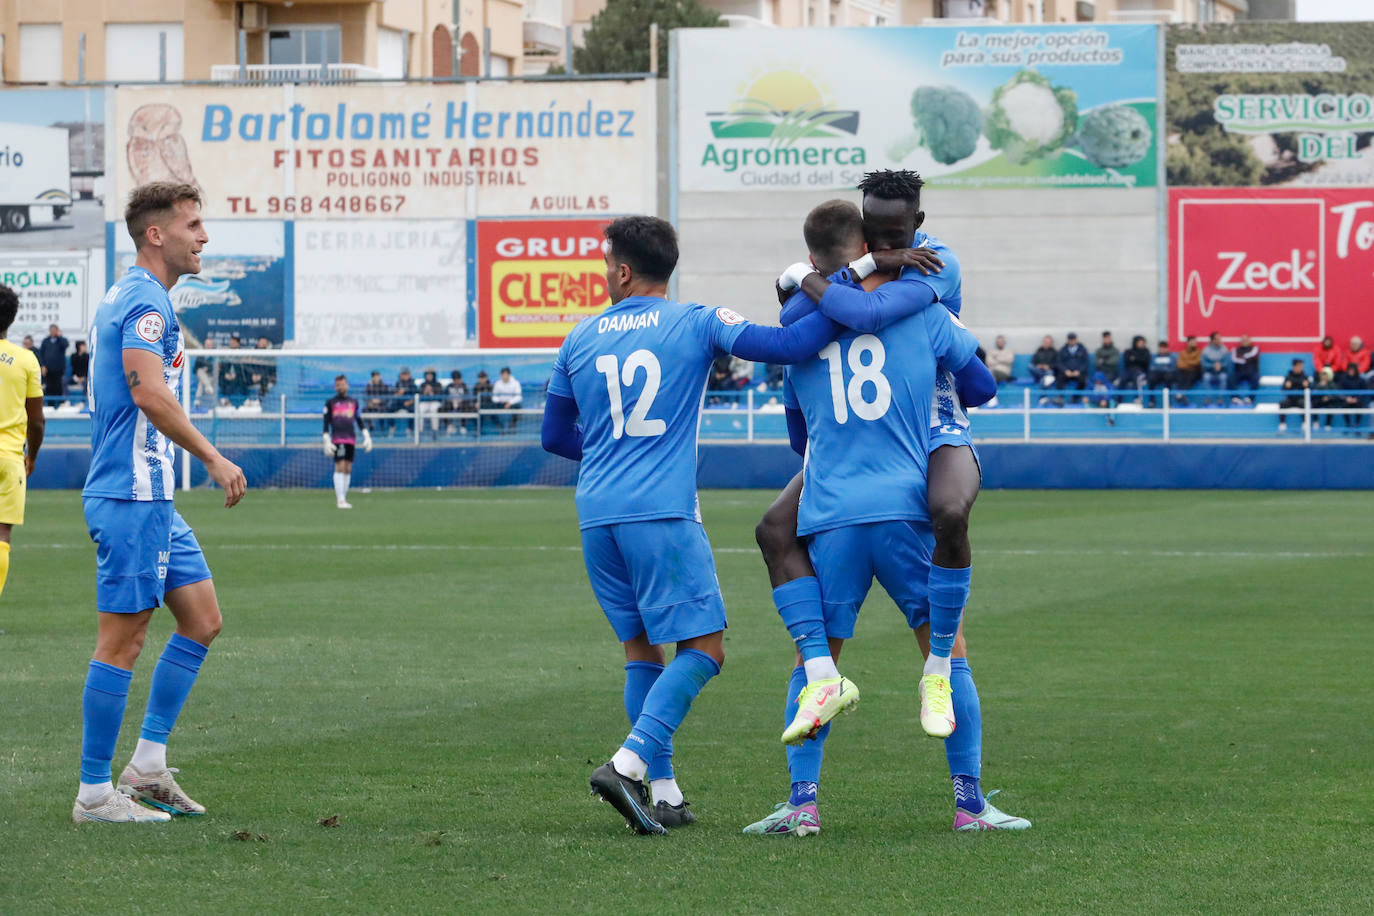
(280,74)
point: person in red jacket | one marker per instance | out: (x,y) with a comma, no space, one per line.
(1359,355)
(1328,354)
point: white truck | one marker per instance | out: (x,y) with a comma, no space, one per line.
(35,175)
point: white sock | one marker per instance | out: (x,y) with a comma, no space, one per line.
(820,668)
(666,790)
(348,482)
(339,490)
(91,792)
(628,763)
(149,757)
(937,665)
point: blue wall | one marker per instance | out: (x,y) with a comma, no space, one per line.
(1030,465)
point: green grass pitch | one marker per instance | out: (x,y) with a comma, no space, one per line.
(1176,689)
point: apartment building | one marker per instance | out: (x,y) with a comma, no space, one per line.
(44,41)
(1062,11)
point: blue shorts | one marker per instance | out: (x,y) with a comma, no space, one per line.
(897,553)
(953,434)
(143,551)
(656,577)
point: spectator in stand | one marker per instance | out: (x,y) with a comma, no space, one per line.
(1044,362)
(1107,358)
(52,362)
(403,399)
(430,397)
(1360,357)
(720,378)
(1189,368)
(28,345)
(1072,371)
(1294,382)
(1328,355)
(1000,360)
(1245,359)
(457,400)
(1351,384)
(1163,370)
(81,367)
(261,375)
(233,380)
(481,392)
(1216,368)
(773,374)
(1326,384)
(378,394)
(1135,365)
(507,395)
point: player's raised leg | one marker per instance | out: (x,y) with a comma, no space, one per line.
(797,596)
(191,599)
(953,483)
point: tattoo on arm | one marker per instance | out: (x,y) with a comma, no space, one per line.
(133,379)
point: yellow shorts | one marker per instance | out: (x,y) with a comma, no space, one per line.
(12,489)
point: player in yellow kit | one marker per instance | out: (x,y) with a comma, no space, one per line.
(21,420)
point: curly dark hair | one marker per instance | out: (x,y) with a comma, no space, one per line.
(9,307)
(889,184)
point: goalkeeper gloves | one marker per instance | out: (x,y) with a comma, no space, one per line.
(328,444)
(367,440)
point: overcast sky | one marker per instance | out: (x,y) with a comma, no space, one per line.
(1333,10)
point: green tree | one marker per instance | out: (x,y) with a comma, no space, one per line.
(617,41)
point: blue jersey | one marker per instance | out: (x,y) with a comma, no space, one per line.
(637,372)
(949,282)
(867,401)
(130,459)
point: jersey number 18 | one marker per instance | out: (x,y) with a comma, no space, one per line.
(851,397)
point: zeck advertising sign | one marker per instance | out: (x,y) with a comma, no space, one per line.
(537,278)
(1284,266)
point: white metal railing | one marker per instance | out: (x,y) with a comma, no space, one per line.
(277,74)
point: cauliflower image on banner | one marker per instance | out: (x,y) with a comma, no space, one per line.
(1114,136)
(1029,118)
(948,122)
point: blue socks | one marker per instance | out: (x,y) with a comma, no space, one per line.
(102,711)
(803,760)
(173,678)
(964,748)
(639,679)
(949,589)
(799,605)
(667,703)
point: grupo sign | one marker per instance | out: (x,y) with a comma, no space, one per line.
(1284,266)
(1017,107)
(536,279)
(394,152)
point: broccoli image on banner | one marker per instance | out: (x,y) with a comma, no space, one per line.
(948,123)
(1114,136)
(1029,118)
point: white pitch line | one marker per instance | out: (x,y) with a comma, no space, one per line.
(1029,552)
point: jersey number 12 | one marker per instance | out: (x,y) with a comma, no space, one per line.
(638,422)
(851,396)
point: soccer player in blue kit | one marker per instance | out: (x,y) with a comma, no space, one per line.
(634,377)
(891,218)
(146,555)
